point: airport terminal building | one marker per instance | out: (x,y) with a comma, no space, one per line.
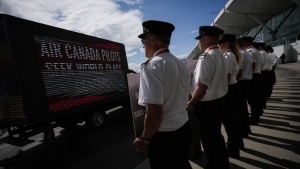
(274,22)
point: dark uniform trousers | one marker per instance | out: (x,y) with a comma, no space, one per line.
(171,149)
(243,114)
(265,87)
(209,115)
(273,74)
(231,122)
(272,79)
(270,82)
(256,98)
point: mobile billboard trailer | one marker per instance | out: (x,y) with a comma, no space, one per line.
(51,75)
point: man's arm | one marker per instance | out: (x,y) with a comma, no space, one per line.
(198,94)
(153,120)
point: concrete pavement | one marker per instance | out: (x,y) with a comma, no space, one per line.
(275,142)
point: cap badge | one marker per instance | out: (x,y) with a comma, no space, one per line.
(145,30)
(221,36)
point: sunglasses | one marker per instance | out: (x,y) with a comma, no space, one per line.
(144,40)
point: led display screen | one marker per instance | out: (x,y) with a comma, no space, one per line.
(79,73)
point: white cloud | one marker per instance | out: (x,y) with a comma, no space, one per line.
(131,2)
(131,54)
(135,67)
(184,56)
(100,18)
(196,31)
(142,50)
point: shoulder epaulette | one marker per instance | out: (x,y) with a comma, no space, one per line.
(145,63)
(203,54)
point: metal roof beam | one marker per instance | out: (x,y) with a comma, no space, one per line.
(253,17)
(227,26)
(258,21)
(233,28)
(296,2)
(288,15)
(237,31)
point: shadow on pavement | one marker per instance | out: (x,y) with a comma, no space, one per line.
(267,122)
(287,144)
(281,162)
(294,129)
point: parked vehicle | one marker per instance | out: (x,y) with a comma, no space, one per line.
(53,76)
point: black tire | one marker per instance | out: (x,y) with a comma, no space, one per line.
(96,120)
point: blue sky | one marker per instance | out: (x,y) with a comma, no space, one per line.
(121,20)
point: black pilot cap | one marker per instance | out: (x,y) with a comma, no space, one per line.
(260,44)
(157,27)
(248,39)
(209,31)
(227,38)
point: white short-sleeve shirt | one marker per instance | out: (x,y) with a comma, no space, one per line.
(266,61)
(233,67)
(165,81)
(256,58)
(247,66)
(211,70)
(273,58)
(270,63)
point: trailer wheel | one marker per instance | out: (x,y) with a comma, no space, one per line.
(96,119)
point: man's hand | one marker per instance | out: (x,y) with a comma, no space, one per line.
(190,107)
(140,145)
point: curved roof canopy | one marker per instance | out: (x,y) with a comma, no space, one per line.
(239,16)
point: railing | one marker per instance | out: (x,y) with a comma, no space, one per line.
(284,41)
